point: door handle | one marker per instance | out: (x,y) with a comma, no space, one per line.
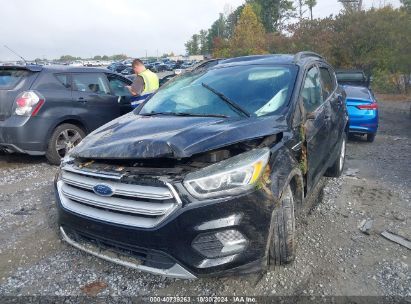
(81,99)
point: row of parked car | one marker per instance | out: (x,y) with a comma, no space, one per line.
(157,67)
(204,178)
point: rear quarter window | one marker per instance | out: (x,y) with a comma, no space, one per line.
(327,81)
(51,81)
(9,78)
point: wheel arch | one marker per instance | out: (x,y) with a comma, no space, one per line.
(68,119)
(286,171)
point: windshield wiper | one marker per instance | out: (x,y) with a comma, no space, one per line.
(226,99)
(183,114)
(200,115)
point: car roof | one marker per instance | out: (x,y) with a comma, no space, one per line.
(73,69)
(57,68)
(301,58)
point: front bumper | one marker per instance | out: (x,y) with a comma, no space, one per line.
(167,248)
(175,271)
(24,134)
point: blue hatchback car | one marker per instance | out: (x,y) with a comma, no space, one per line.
(362,111)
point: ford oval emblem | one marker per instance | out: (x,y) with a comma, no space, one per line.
(103,190)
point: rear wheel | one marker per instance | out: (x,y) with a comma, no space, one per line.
(64,138)
(371,137)
(338,167)
(282,247)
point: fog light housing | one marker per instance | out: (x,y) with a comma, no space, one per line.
(220,244)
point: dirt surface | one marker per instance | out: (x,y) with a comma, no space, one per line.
(334,257)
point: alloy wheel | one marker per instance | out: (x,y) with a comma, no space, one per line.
(67,140)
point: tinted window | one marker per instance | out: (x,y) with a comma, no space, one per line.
(312,95)
(9,78)
(328,82)
(353,76)
(357,92)
(260,90)
(89,82)
(118,87)
(64,79)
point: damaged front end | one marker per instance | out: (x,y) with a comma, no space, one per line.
(180,217)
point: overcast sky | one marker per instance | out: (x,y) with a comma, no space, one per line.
(50,28)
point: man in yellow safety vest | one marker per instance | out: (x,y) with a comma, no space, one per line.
(145,83)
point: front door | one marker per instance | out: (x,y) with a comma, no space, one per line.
(118,86)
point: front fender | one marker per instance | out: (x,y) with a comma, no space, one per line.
(285,170)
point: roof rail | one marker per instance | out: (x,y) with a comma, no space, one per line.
(300,55)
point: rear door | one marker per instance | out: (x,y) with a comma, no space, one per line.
(337,110)
(317,126)
(93,100)
(13,81)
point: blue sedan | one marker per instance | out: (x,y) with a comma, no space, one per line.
(362,111)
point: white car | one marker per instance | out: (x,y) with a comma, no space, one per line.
(77,63)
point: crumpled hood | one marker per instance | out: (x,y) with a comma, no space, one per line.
(140,137)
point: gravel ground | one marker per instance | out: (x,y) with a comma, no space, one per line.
(334,257)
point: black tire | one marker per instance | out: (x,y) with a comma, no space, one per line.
(371,137)
(282,245)
(64,138)
(338,167)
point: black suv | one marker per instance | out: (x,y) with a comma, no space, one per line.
(48,110)
(204,178)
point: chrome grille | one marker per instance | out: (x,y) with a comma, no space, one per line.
(130,204)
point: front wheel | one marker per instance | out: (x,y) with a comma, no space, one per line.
(338,167)
(64,138)
(282,247)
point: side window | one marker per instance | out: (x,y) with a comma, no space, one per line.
(118,87)
(328,82)
(64,79)
(312,94)
(91,83)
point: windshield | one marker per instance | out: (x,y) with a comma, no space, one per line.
(231,91)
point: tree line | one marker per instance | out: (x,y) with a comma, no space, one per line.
(377,40)
(270,13)
(67,58)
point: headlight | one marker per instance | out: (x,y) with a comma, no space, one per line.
(229,177)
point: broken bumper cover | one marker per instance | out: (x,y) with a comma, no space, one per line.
(175,271)
(168,248)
